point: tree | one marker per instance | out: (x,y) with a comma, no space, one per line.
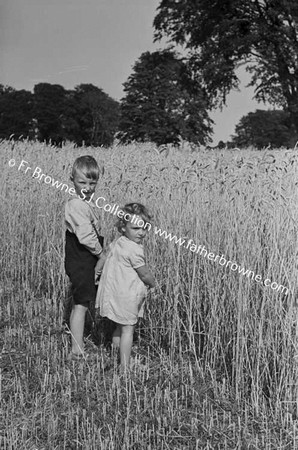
(97,115)
(69,119)
(163,103)
(83,115)
(50,111)
(262,128)
(16,112)
(6,89)
(220,35)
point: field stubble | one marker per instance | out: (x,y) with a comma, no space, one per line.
(220,350)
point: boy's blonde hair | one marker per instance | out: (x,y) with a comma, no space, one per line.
(88,165)
(136,209)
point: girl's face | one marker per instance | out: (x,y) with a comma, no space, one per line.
(134,231)
(84,186)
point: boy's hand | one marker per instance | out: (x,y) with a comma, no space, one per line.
(98,268)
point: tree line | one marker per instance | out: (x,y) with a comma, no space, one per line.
(162,104)
(168,98)
(84,115)
(88,116)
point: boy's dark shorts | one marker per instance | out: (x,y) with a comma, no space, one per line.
(79,266)
(82,287)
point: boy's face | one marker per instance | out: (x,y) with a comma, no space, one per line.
(134,231)
(84,186)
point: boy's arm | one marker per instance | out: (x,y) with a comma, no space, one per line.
(146,276)
(78,221)
(99,265)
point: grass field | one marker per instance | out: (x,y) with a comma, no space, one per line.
(219,350)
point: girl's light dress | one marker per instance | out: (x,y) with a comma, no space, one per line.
(121,292)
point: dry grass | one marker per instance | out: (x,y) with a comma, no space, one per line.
(219,349)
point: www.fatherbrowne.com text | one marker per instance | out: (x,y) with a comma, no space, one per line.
(220,259)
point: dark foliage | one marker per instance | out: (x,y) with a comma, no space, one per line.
(97,115)
(163,103)
(220,35)
(262,128)
(49,109)
(16,109)
(85,115)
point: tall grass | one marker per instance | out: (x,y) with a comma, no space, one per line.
(220,349)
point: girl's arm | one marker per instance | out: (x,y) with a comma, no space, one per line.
(146,276)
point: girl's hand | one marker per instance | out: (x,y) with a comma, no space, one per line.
(152,291)
(146,276)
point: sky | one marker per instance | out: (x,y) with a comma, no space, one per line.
(69,42)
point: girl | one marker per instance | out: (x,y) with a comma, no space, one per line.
(122,286)
(83,246)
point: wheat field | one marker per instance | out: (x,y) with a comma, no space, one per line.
(218,350)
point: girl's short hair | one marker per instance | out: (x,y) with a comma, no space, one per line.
(131,209)
(88,165)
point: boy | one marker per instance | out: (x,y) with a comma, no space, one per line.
(83,246)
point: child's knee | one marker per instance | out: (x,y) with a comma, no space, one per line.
(80,308)
(127,329)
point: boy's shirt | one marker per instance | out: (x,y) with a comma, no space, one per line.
(79,217)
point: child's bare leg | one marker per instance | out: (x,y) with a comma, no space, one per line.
(77,322)
(116,338)
(126,344)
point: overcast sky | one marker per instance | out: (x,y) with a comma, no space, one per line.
(70,42)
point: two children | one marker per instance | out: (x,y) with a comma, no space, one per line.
(122,287)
